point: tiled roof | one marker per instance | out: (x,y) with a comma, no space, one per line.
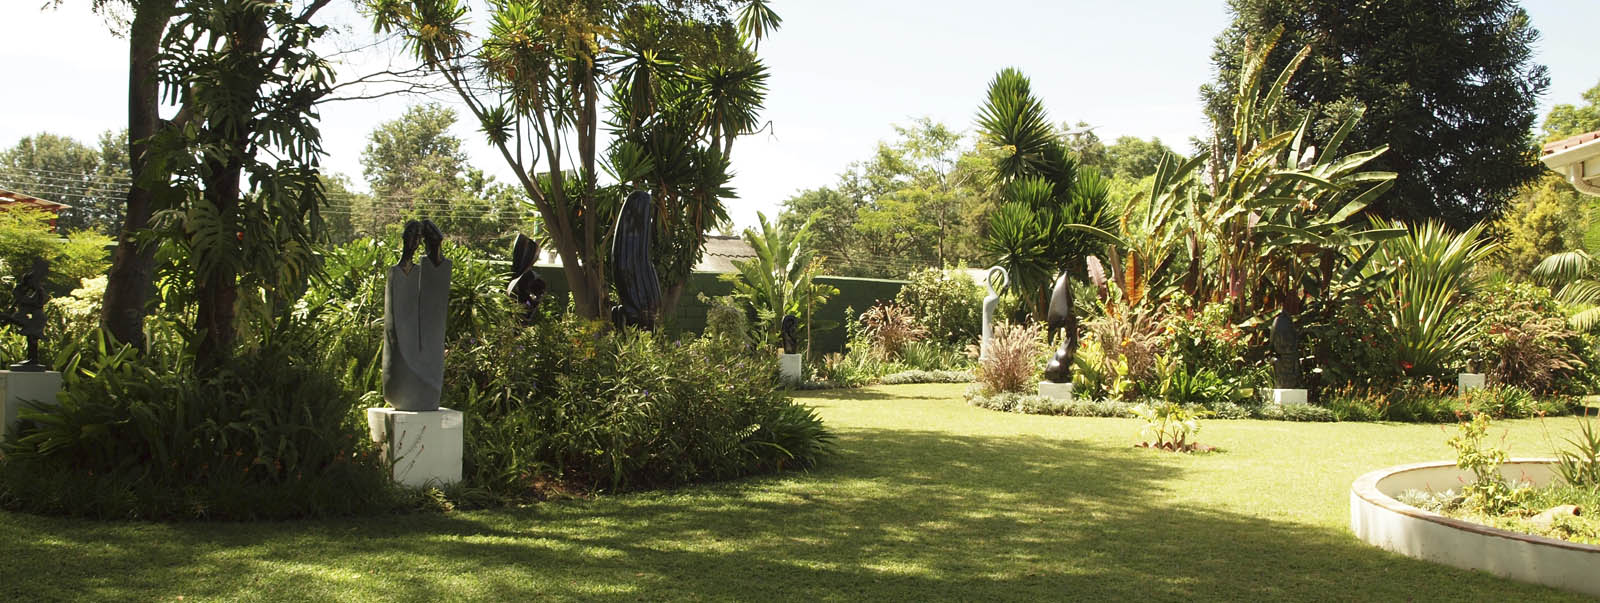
(1567,143)
(9,197)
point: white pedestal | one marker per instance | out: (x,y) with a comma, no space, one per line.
(1466,382)
(423,448)
(789,368)
(1288,396)
(22,391)
(1058,391)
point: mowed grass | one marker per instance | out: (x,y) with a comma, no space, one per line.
(929,499)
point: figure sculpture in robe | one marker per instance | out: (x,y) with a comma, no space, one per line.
(414,312)
(1061,317)
(525,287)
(1286,352)
(29,297)
(638,289)
(989,304)
(786,336)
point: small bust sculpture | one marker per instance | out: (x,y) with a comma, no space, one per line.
(414,311)
(638,290)
(1286,352)
(525,287)
(786,336)
(29,298)
(1061,317)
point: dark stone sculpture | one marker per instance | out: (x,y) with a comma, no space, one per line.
(638,289)
(414,311)
(786,337)
(526,287)
(1286,352)
(1061,317)
(29,298)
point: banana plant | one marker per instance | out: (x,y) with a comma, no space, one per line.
(780,280)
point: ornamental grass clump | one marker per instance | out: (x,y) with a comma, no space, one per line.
(1014,359)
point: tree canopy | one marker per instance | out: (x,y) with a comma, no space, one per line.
(1448,85)
(89,179)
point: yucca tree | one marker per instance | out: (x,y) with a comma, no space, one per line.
(1043,192)
(1423,278)
(780,279)
(679,84)
(1575,277)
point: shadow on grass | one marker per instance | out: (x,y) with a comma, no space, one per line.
(904,392)
(900,515)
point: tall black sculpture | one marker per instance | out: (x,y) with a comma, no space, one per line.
(638,290)
(414,310)
(29,298)
(1286,352)
(526,287)
(1061,317)
(786,336)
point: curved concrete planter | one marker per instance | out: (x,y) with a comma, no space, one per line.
(1377,518)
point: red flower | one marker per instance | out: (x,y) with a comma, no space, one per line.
(1405,365)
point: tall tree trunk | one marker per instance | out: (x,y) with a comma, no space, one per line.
(128,281)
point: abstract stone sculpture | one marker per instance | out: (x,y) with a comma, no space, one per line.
(638,290)
(989,304)
(526,287)
(786,336)
(414,310)
(1061,317)
(29,298)
(1286,352)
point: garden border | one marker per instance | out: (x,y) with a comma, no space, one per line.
(1380,520)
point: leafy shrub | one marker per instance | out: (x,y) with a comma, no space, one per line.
(890,328)
(561,405)
(270,434)
(1013,363)
(1502,402)
(948,303)
(725,321)
(1423,402)
(1351,345)
(1523,339)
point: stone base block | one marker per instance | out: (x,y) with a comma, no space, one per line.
(1466,382)
(23,391)
(1288,396)
(789,368)
(1058,391)
(423,448)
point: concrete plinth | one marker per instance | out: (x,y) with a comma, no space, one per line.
(23,391)
(1466,382)
(423,448)
(1058,391)
(789,368)
(1288,396)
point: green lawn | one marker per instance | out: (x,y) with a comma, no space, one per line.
(929,500)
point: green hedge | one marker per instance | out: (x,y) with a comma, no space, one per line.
(690,317)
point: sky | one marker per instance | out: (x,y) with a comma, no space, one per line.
(842,73)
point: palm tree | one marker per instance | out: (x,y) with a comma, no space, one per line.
(1043,192)
(1573,276)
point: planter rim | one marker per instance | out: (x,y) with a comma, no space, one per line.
(1366,487)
